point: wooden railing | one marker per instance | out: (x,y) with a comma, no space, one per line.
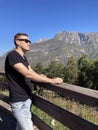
(68,119)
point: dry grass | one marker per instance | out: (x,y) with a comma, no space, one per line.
(87,112)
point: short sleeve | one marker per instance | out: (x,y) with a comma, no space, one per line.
(13,58)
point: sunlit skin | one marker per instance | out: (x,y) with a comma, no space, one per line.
(22,46)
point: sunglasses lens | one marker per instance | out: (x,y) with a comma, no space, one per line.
(25,40)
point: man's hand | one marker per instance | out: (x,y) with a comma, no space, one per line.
(54,80)
(57,80)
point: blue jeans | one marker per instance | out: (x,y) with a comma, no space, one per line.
(21,111)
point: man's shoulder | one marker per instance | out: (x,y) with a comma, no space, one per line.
(11,52)
(12,55)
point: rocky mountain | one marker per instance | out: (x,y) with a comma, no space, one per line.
(61,47)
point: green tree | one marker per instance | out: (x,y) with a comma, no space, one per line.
(39,68)
(71,71)
(84,71)
(93,74)
(55,69)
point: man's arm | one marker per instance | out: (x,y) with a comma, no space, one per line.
(30,73)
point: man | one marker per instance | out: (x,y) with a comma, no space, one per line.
(19,75)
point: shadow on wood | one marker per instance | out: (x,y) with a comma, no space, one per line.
(6,122)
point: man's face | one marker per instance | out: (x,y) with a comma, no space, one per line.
(24,43)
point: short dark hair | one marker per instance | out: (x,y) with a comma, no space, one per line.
(18,35)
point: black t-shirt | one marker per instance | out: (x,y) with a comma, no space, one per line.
(19,86)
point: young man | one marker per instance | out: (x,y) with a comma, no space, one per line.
(19,75)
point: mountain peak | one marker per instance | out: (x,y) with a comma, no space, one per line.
(62,46)
(41,40)
(77,37)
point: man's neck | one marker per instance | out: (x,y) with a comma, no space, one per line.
(22,53)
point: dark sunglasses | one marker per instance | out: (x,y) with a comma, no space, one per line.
(25,40)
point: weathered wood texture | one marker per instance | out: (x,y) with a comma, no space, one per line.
(83,95)
(65,117)
(72,121)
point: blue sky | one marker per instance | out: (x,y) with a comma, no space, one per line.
(45,18)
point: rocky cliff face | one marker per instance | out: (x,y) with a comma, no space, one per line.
(69,37)
(61,47)
(74,37)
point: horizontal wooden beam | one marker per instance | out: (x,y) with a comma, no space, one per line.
(83,95)
(72,121)
(67,118)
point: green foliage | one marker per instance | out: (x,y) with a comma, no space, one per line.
(2,78)
(93,73)
(84,68)
(39,68)
(71,71)
(88,72)
(55,69)
(82,71)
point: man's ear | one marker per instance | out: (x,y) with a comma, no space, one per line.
(17,42)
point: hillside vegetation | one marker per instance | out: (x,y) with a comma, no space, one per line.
(78,71)
(61,47)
